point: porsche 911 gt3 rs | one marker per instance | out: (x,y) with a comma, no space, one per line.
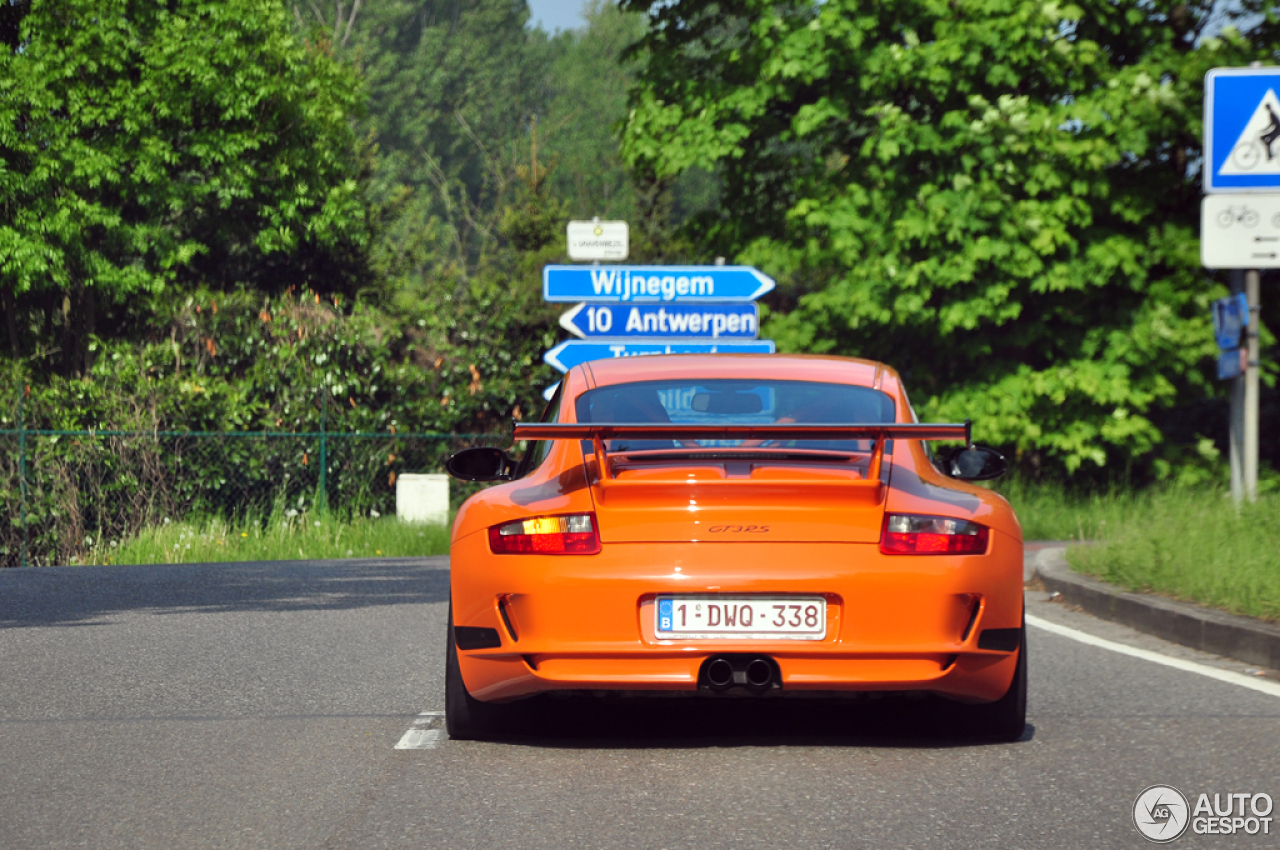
(734,525)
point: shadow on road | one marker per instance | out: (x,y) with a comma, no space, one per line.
(692,723)
(79,596)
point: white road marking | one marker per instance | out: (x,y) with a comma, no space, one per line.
(426,733)
(1261,685)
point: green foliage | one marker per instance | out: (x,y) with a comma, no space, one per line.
(998,198)
(589,82)
(144,146)
(454,89)
(245,362)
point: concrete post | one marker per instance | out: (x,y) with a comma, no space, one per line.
(1235,424)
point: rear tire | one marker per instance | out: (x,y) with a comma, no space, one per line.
(465,717)
(1006,718)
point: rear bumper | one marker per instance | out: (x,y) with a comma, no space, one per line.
(894,623)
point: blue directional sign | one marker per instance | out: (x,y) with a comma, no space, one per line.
(1242,130)
(663,321)
(572,352)
(654,283)
(1230,315)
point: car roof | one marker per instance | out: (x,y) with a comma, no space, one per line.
(783,367)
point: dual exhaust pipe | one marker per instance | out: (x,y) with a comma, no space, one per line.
(753,672)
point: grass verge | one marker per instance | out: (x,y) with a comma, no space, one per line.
(1049,511)
(1193,545)
(277,538)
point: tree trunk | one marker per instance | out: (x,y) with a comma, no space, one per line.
(9,303)
(79,319)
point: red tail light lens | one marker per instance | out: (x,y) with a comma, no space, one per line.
(547,535)
(912,534)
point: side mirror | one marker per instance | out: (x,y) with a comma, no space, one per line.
(976,463)
(482,463)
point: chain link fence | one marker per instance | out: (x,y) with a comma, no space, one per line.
(58,488)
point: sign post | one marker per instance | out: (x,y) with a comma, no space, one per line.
(1240,229)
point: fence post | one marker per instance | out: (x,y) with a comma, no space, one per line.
(22,474)
(324,445)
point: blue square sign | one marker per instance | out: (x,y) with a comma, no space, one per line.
(1242,130)
(1230,316)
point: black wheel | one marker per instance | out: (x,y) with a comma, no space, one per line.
(1005,719)
(467,718)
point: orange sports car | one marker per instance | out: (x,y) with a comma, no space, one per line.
(751,525)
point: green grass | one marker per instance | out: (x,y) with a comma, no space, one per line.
(279,538)
(1049,511)
(1196,546)
(1186,543)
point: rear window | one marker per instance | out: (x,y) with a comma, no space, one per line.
(736,402)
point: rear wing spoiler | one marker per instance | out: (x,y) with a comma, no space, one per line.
(598,432)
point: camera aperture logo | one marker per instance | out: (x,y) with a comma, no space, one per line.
(1160,813)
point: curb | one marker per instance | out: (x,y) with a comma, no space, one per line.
(1217,632)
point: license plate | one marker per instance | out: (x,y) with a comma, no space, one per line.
(740,617)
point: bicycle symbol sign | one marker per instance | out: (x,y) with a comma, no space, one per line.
(1240,231)
(1242,130)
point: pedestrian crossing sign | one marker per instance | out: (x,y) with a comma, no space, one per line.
(1242,130)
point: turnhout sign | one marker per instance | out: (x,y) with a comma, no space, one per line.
(572,352)
(663,321)
(654,283)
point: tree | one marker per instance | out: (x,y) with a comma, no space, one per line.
(589,82)
(998,197)
(147,145)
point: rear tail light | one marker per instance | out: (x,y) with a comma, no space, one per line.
(547,535)
(913,534)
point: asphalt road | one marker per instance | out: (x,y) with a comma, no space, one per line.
(260,705)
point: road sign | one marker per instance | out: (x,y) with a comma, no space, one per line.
(654,283)
(1240,231)
(1242,130)
(597,240)
(663,321)
(1230,315)
(571,352)
(1232,364)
